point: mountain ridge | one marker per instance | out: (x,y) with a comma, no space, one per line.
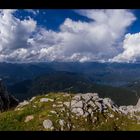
(72,83)
(64,111)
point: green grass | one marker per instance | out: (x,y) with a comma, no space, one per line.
(15,120)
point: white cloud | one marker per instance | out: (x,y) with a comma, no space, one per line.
(96,40)
(86,41)
(131,49)
(14,33)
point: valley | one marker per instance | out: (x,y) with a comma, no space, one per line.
(55,96)
(111,80)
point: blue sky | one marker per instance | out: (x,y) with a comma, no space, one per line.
(53,18)
(110,35)
(50,18)
(135,27)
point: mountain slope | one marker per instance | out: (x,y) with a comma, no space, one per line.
(7,101)
(68,112)
(72,83)
(114,74)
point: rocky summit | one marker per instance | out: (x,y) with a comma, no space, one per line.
(70,112)
(7,101)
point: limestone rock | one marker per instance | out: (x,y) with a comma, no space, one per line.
(22,104)
(77,97)
(32,99)
(138,104)
(54,105)
(47,124)
(78,104)
(53,112)
(67,104)
(46,100)
(61,122)
(29,118)
(89,96)
(78,111)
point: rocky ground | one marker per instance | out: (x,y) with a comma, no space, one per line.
(70,112)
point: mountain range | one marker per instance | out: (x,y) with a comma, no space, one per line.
(103,96)
(114,80)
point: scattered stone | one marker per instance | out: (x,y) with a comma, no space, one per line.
(90,110)
(53,112)
(123,109)
(72,116)
(85,114)
(117,118)
(77,97)
(88,96)
(78,111)
(75,104)
(99,106)
(61,105)
(85,105)
(68,125)
(46,100)
(68,114)
(138,104)
(29,118)
(34,106)
(67,104)
(111,116)
(59,102)
(61,122)
(47,124)
(108,102)
(22,104)
(92,114)
(73,126)
(32,99)
(66,94)
(62,109)
(93,121)
(95,96)
(95,118)
(17,109)
(54,105)
(91,103)
(129,109)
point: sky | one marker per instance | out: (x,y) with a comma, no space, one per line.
(89,35)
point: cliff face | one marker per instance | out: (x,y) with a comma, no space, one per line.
(7,101)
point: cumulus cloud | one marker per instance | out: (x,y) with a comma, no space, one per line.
(131,49)
(97,40)
(14,33)
(84,41)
